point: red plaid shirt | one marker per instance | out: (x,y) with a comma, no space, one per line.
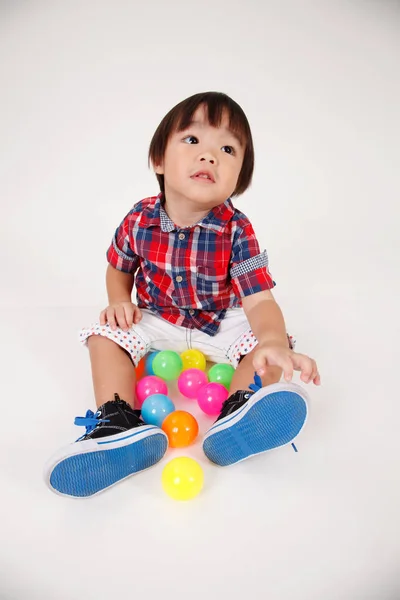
(190,276)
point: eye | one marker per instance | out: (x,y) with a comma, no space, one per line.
(190,139)
(228,149)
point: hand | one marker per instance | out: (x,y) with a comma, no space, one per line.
(288,360)
(122,314)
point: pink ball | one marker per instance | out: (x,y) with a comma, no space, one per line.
(211,398)
(147,386)
(190,382)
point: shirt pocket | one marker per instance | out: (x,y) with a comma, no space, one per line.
(211,280)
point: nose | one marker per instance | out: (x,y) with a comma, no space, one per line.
(208,157)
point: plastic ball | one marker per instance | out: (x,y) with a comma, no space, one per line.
(221,373)
(190,381)
(149,385)
(139,370)
(193,359)
(211,397)
(182,478)
(155,408)
(181,428)
(149,362)
(167,364)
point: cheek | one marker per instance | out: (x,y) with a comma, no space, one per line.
(231,172)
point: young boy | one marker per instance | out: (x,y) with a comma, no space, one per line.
(202,283)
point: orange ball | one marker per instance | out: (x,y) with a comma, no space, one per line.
(181,428)
(140,368)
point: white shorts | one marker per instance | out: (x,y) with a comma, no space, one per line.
(233,340)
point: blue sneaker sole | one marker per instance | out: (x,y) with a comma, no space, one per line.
(273,421)
(88,473)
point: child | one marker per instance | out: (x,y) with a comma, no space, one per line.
(202,283)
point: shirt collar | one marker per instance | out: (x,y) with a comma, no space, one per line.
(154,214)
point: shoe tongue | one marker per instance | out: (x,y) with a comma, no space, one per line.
(112,405)
(234,402)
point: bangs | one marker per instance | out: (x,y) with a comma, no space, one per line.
(216,107)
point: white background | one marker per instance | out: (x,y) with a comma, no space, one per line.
(83,86)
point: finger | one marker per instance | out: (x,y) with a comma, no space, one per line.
(137,315)
(287,367)
(281,360)
(103,319)
(305,364)
(316,376)
(128,314)
(259,365)
(120,318)
(111,318)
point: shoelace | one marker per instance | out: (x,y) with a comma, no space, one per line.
(90,420)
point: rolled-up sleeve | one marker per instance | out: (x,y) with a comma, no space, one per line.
(249,267)
(120,254)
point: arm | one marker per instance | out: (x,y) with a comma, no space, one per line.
(252,283)
(268,325)
(123,263)
(119,285)
(265,318)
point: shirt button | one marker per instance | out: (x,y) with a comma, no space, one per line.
(191,312)
(181,236)
(179,279)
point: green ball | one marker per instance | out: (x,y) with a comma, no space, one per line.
(167,364)
(221,373)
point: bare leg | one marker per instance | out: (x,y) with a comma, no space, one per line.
(112,371)
(244,374)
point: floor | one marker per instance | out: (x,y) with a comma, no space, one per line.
(319,523)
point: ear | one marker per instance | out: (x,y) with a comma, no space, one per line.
(159,169)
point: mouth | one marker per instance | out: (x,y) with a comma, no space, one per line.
(205,176)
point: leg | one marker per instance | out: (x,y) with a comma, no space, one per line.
(112,371)
(117,442)
(254,422)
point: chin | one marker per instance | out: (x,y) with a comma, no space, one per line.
(206,197)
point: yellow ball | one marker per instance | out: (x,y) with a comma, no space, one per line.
(193,359)
(182,478)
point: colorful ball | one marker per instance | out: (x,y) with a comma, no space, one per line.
(139,370)
(211,397)
(181,428)
(149,385)
(167,364)
(193,359)
(155,408)
(221,373)
(149,362)
(182,478)
(190,381)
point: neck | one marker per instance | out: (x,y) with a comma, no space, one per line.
(183,212)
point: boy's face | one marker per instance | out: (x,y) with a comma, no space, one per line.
(202,163)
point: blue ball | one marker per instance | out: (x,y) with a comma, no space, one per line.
(155,408)
(149,363)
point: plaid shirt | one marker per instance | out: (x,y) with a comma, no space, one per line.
(190,276)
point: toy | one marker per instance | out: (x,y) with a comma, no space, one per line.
(167,364)
(221,373)
(211,398)
(181,428)
(190,381)
(193,359)
(149,385)
(139,370)
(155,408)
(149,362)
(182,478)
